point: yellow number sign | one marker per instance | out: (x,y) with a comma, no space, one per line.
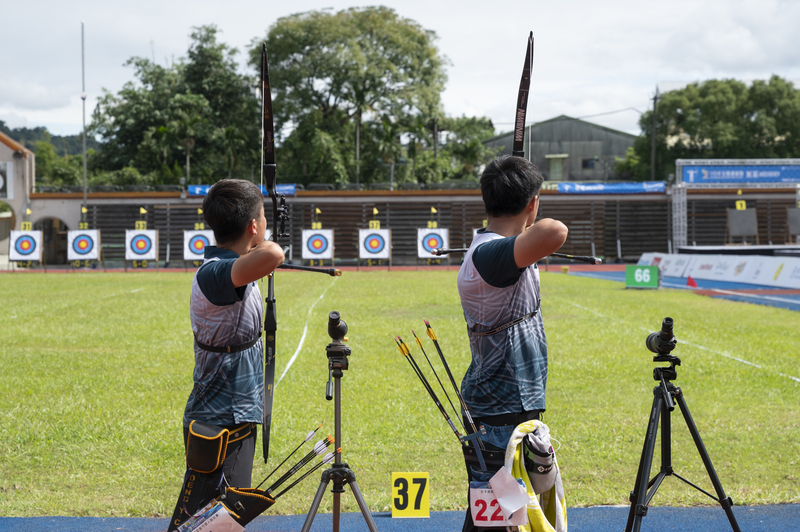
(410,495)
(140,225)
(374,224)
(26,226)
(741,205)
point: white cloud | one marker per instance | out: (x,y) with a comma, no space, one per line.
(590,57)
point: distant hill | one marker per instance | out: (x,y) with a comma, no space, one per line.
(73,145)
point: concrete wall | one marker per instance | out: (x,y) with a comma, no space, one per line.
(20,184)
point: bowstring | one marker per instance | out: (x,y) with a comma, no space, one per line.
(261,183)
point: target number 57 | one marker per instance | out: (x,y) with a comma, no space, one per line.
(410,495)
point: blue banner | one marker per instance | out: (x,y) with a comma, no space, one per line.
(646,187)
(285,190)
(741,174)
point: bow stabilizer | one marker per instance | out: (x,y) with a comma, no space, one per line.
(518,148)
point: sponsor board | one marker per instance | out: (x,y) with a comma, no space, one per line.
(778,272)
(703,267)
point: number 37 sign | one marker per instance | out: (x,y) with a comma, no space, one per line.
(410,495)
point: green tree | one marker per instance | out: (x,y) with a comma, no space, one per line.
(174,115)
(54,169)
(333,73)
(718,119)
(464,138)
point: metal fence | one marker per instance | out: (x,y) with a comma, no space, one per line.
(616,227)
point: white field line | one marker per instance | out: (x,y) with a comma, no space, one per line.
(757,296)
(303,337)
(703,348)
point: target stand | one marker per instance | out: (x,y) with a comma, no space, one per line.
(317,247)
(24,249)
(374,244)
(194,246)
(84,248)
(141,246)
(430,239)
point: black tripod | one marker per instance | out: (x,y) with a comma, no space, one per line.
(340,474)
(662,343)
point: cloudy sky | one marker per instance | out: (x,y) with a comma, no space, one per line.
(590,57)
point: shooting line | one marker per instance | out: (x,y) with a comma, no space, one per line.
(691,344)
(305,332)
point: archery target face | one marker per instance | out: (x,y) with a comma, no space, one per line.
(195,242)
(141,244)
(317,244)
(83,244)
(374,243)
(430,239)
(25,245)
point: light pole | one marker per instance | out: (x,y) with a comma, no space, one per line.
(83,97)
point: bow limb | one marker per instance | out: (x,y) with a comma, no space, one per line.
(518,148)
(269,178)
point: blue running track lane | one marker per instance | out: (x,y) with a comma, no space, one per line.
(777,518)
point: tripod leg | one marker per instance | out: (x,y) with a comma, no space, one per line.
(363,505)
(639,494)
(337,502)
(724,501)
(312,512)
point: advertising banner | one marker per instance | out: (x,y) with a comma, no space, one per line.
(744,174)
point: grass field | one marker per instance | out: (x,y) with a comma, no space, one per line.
(96,369)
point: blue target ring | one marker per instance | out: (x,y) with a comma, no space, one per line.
(432,241)
(25,245)
(141,244)
(197,244)
(317,244)
(374,243)
(83,245)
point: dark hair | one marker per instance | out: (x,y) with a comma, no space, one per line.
(230,206)
(508,184)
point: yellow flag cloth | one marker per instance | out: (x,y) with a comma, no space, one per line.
(374,210)
(548,511)
(433,210)
(142,210)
